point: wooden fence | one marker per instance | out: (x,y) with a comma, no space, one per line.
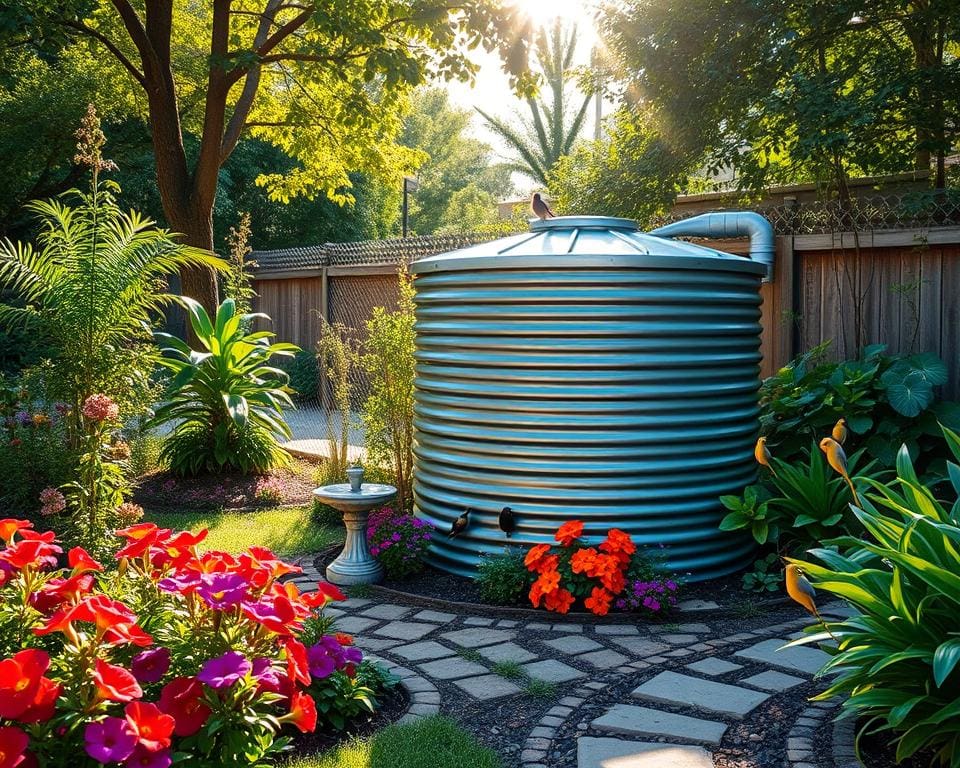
(895,287)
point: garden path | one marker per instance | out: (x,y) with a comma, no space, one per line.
(614,695)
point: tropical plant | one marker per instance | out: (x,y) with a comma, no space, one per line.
(897,663)
(226,402)
(552,128)
(766,576)
(92,286)
(388,358)
(891,398)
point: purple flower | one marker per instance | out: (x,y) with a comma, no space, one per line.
(110,740)
(183,584)
(224,671)
(141,758)
(151,665)
(264,673)
(322,662)
(222,590)
(24,418)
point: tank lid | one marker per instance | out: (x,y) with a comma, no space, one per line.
(586,241)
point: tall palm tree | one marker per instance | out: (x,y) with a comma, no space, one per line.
(541,139)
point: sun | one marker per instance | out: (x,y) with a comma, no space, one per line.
(544,12)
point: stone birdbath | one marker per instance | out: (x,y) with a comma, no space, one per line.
(355,564)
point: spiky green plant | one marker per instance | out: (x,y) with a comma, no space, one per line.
(553,127)
(92,285)
(898,661)
(225,403)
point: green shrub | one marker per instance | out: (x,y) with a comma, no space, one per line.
(891,398)
(342,697)
(766,576)
(226,403)
(304,375)
(898,659)
(502,577)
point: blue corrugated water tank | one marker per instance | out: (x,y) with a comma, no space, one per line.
(587,370)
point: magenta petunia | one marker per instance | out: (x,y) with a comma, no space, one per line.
(151,665)
(223,671)
(322,662)
(109,741)
(222,590)
(266,676)
(143,758)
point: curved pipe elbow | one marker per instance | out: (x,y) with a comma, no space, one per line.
(729,224)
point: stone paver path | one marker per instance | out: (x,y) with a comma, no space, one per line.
(685,685)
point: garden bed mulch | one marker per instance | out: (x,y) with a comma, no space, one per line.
(393,706)
(876,751)
(228,490)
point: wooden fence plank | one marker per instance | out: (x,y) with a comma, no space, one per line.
(931,274)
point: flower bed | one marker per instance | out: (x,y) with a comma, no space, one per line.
(199,658)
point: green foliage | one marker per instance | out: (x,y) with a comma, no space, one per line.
(457,173)
(388,358)
(92,286)
(342,698)
(540,689)
(237,280)
(898,659)
(766,576)
(431,742)
(338,356)
(750,512)
(225,403)
(888,396)
(552,128)
(634,171)
(304,375)
(502,577)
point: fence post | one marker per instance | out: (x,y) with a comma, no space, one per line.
(324,319)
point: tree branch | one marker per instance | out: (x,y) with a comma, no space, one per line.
(138,34)
(110,46)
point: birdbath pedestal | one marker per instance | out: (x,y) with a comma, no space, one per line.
(355,564)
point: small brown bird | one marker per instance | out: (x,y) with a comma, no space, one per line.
(840,431)
(460,524)
(540,208)
(762,454)
(837,459)
(508,521)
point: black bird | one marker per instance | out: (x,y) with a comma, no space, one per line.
(460,524)
(508,521)
(540,208)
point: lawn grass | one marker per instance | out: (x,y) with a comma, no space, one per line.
(434,742)
(287,531)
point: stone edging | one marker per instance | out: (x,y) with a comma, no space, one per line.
(844,744)
(424,696)
(801,752)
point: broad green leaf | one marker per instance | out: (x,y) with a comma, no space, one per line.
(945,660)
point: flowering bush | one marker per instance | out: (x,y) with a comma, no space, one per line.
(596,575)
(269,490)
(399,541)
(175,655)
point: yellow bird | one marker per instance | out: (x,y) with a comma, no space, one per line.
(762,454)
(801,591)
(837,459)
(840,431)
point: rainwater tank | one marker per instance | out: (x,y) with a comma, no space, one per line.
(586,370)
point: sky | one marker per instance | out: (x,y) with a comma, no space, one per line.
(491,88)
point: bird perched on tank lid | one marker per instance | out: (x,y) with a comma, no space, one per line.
(540,208)
(460,524)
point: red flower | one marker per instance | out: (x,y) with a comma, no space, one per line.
(30,553)
(548,563)
(298,667)
(152,727)
(599,601)
(614,581)
(20,680)
(56,592)
(569,532)
(303,713)
(81,562)
(13,743)
(548,581)
(44,704)
(559,600)
(536,594)
(115,683)
(343,638)
(535,555)
(182,699)
(9,526)
(583,560)
(618,541)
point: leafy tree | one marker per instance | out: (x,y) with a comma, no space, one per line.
(470,209)
(795,88)
(552,128)
(324,82)
(455,160)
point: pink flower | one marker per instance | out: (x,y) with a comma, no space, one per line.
(109,741)
(52,501)
(223,671)
(151,665)
(100,407)
(143,758)
(222,590)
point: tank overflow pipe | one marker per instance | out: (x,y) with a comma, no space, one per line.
(732,224)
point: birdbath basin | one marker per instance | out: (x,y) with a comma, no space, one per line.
(354,500)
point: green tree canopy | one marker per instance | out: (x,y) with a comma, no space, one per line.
(455,160)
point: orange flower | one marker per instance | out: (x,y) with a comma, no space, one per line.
(536,594)
(599,601)
(547,564)
(583,560)
(559,600)
(618,541)
(548,581)
(535,555)
(569,532)
(613,581)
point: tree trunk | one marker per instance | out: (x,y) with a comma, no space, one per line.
(196,227)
